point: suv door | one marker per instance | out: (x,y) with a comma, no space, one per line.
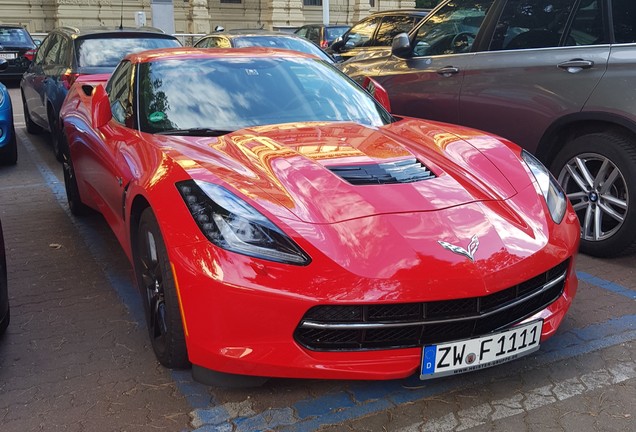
(544,59)
(33,82)
(427,83)
(358,37)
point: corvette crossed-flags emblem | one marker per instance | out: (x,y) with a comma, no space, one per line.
(468,253)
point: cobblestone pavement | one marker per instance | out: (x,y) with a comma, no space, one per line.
(76,355)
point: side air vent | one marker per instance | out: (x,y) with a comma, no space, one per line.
(404,171)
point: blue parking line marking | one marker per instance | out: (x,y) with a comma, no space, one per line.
(610,286)
(362,398)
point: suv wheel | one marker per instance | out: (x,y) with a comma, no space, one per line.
(31,127)
(598,173)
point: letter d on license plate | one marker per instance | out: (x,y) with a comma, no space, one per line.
(480,352)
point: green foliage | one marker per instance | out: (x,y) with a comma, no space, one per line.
(427,4)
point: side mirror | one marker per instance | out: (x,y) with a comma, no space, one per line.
(219,28)
(337,44)
(378,92)
(401,46)
(3,64)
(100,107)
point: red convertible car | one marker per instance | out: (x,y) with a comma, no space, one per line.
(281,223)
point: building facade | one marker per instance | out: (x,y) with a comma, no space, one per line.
(190,16)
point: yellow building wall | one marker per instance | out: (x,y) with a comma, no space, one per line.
(191,16)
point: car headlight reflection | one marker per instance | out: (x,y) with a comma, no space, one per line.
(232,224)
(552,192)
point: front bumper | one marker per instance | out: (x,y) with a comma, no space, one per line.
(236,323)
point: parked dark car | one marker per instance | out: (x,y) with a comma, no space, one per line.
(68,52)
(321,34)
(243,38)
(8,144)
(4,292)
(555,76)
(375,32)
(15,45)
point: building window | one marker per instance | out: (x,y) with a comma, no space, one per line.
(372,3)
(231,1)
(312,2)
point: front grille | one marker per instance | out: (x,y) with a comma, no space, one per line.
(404,325)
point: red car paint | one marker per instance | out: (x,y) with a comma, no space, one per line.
(372,244)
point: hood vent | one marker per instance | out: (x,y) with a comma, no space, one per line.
(404,171)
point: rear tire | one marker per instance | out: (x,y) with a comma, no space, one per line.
(598,173)
(55,136)
(75,204)
(31,127)
(159,294)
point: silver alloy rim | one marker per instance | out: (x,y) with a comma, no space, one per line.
(598,192)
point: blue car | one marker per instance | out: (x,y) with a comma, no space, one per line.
(8,145)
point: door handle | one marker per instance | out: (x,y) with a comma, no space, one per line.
(448,71)
(576,65)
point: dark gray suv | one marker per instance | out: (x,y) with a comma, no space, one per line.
(557,77)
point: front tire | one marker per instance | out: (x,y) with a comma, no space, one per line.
(159,294)
(598,173)
(31,127)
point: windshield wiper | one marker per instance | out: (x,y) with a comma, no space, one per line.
(198,131)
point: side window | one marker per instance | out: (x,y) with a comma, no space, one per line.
(120,94)
(204,43)
(624,15)
(452,29)
(313,34)
(525,24)
(361,33)
(43,49)
(391,26)
(302,32)
(587,25)
(51,54)
(64,52)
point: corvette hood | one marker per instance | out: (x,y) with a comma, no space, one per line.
(332,172)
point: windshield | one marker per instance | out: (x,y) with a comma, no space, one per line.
(226,94)
(107,52)
(333,32)
(284,42)
(15,37)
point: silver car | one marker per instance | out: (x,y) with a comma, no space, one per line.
(555,76)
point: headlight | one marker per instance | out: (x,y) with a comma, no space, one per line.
(554,196)
(232,224)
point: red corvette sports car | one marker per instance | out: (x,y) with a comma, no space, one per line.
(281,223)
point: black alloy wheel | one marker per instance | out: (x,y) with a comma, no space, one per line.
(75,204)
(158,290)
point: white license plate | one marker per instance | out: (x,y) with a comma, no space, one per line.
(480,352)
(8,56)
